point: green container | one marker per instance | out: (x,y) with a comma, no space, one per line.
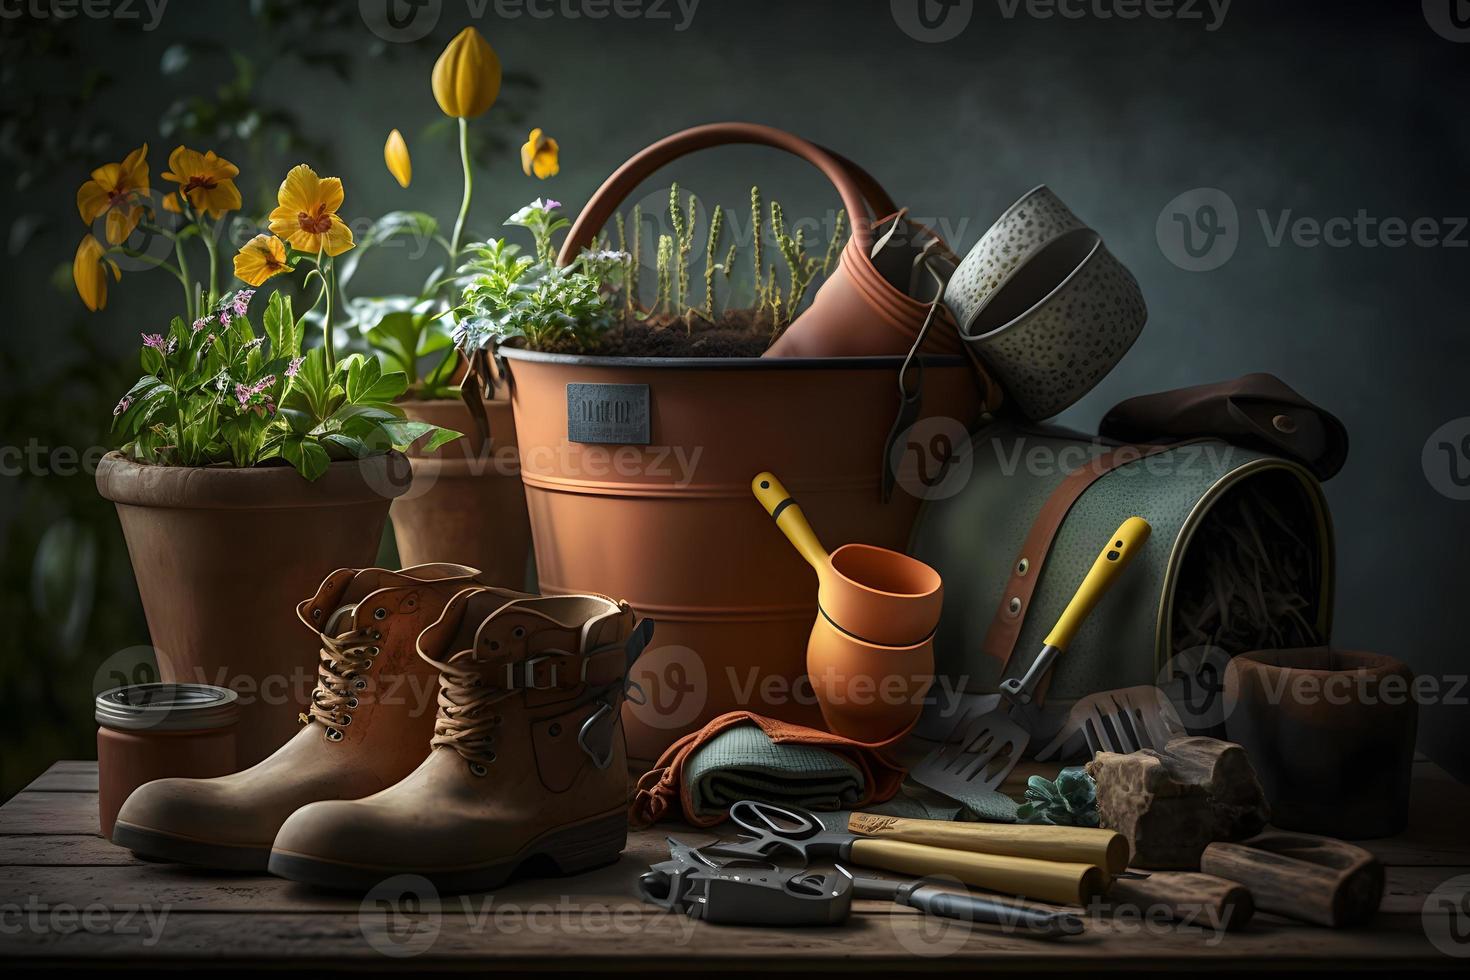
(973,527)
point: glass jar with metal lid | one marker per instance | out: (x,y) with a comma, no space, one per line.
(153,731)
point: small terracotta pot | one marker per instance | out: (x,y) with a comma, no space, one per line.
(1330,734)
(466,505)
(867,692)
(222,555)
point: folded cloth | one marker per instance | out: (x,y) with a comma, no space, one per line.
(1258,411)
(742,755)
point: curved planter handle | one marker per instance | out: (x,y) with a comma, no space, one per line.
(857,188)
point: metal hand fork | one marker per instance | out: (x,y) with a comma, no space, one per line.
(1125,720)
(985,748)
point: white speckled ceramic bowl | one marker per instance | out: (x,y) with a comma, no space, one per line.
(1043,303)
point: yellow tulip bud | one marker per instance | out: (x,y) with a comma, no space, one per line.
(395,155)
(466,77)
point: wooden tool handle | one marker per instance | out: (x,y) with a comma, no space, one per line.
(1185,896)
(789,518)
(1302,876)
(1064,883)
(1106,849)
(1126,542)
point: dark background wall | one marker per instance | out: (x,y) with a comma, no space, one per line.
(1299,110)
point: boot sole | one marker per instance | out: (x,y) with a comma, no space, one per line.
(159,845)
(570,850)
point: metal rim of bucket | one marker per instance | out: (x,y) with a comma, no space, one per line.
(876,362)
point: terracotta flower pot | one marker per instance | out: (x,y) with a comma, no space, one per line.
(1330,734)
(223,555)
(637,474)
(466,504)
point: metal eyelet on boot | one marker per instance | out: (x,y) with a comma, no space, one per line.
(519,632)
(380,613)
(360,684)
(333,735)
(316,614)
(374,651)
(352,702)
(345,720)
(479,770)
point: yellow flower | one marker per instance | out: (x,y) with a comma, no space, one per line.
(206,180)
(466,77)
(395,155)
(539,155)
(260,258)
(307,215)
(117,190)
(89,271)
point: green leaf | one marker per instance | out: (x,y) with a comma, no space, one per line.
(342,446)
(405,432)
(383,389)
(394,224)
(280,327)
(312,382)
(397,337)
(306,454)
(441,437)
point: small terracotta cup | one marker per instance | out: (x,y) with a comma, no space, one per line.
(1330,734)
(867,692)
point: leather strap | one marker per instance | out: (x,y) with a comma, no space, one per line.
(1005,625)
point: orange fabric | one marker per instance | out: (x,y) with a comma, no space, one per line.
(663,789)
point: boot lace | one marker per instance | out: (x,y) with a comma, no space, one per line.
(468,720)
(344,658)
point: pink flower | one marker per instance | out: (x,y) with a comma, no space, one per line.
(201,323)
(294,368)
(123,406)
(552,205)
(154,340)
(243,394)
(224,318)
(242,301)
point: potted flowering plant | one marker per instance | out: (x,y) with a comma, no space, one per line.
(467,503)
(246,458)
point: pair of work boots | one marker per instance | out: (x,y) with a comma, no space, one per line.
(523,761)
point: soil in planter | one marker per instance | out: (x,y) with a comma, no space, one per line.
(738,333)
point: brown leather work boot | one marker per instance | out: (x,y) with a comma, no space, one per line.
(528,766)
(371,717)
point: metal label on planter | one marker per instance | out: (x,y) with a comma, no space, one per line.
(603,413)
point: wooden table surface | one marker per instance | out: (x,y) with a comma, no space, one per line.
(69,898)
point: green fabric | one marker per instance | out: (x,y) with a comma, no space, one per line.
(742,763)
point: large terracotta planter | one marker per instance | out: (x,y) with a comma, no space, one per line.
(466,504)
(223,555)
(665,518)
